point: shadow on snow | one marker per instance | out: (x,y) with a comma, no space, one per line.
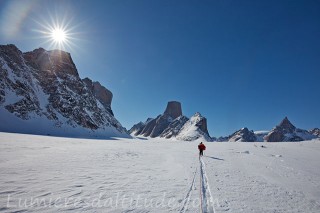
(214,158)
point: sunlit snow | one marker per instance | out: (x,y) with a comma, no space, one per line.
(51,174)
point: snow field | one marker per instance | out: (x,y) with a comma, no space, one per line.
(52,174)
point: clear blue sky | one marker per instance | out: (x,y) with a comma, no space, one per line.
(239,63)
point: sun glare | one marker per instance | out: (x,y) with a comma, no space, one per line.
(58,35)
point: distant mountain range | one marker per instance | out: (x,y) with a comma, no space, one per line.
(195,128)
(285,131)
(41,93)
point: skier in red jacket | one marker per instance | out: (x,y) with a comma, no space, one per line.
(201,147)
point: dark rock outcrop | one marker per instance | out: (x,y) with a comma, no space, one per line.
(148,128)
(155,127)
(173,109)
(174,127)
(162,122)
(56,60)
(137,128)
(202,123)
(101,93)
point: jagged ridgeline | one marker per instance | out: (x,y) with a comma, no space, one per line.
(285,131)
(173,124)
(41,92)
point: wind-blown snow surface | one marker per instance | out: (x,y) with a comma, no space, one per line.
(50,174)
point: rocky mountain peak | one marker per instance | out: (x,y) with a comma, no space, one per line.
(286,125)
(57,61)
(172,124)
(173,109)
(201,122)
(243,135)
(62,61)
(195,128)
(44,87)
(286,131)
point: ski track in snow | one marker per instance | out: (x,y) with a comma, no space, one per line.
(207,201)
(188,196)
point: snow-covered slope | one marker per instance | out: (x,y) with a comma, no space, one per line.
(55,174)
(194,129)
(260,135)
(41,93)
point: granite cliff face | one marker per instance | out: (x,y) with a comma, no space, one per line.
(101,93)
(174,127)
(41,92)
(173,124)
(173,109)
(154,127)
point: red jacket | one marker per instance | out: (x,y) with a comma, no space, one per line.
(201,147)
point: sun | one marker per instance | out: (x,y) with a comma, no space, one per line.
(58,35)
